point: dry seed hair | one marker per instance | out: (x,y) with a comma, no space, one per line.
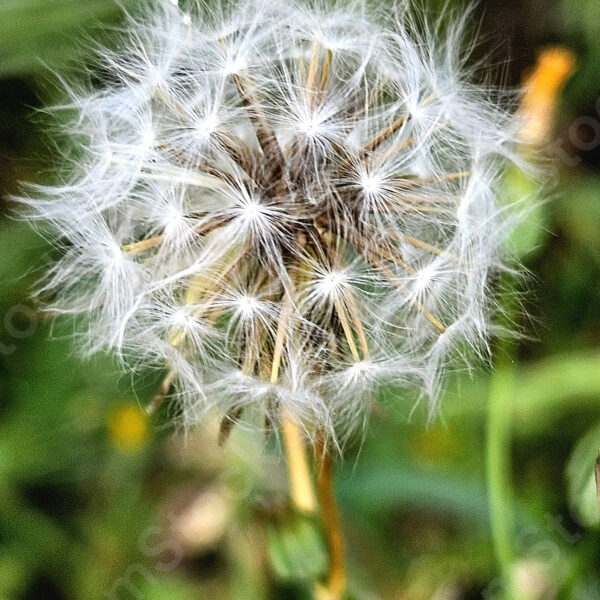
(286,206)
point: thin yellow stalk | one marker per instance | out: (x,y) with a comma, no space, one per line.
(143,245)
(311,79)
(449,177)
(381,157)
(335,584)
(405,144)
(301,487)
(375,94)
(175,104)
(391,129)
(419,305)
(389,255)
(157,240)
(264,132)
(390,276)
(435,322)
(343,317)
(384,135)
(340,308)
(280,338)
(199,286)
(325,70)
(162,393)
(417,243)
(425,210)
(360,332)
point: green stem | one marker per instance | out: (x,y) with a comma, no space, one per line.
(499,483)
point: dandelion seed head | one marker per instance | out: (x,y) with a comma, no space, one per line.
(289,206)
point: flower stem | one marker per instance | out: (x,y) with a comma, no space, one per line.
(334,586)
(498,467)
(303,499)
(301,487)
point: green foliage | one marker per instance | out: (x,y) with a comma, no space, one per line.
(297,549)
(582,481)
(34,33)
(528,237)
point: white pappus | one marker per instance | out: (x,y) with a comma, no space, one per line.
(284,205)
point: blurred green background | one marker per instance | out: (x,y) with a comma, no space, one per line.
(494,500)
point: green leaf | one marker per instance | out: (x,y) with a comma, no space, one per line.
(297,549)
(581,477)
(579,212)
(382,487)
(548,386)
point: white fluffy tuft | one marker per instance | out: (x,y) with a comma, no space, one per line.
(288,206)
